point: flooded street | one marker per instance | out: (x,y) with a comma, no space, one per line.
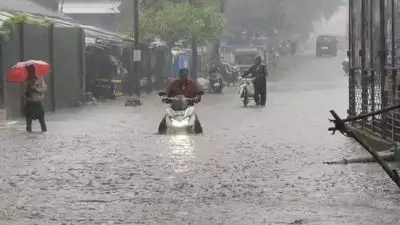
(104,165)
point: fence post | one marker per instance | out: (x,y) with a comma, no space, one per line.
(372,60)
(2,77)
(394,82)
(149,70)
(52,72)
(351,55)
(382,57)
(21,58)
(362,54)
(82,62)
(3,111)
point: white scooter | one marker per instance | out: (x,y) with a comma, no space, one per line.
(180,116)
(246,90)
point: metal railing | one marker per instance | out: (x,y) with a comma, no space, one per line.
(374,76)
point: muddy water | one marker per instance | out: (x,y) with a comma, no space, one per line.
(104,165)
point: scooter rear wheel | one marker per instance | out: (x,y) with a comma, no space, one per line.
(245,98)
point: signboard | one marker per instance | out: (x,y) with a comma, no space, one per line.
(137,55)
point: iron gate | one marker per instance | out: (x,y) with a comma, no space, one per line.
(374,50)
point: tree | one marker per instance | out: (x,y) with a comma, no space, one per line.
(176,20)
(157,5)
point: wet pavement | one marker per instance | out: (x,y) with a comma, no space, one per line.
(104,165)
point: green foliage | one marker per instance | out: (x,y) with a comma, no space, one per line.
(177,20)
(157,5)
(9,25)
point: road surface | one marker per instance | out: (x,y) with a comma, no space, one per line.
(104,165)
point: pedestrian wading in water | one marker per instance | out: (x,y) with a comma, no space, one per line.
(34,94)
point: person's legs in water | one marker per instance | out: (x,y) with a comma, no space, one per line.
(263,93)
(43,125)
(28,124)
(162,128)
(198,129)
(263,97)
(28,117)
(256,93)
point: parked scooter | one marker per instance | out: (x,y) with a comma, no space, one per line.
(216,83)
(246,90)
(181,115)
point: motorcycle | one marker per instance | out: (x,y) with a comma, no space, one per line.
(246,90)
(235,74)
(180,116)
(216,84)
(284,48)
(275,58)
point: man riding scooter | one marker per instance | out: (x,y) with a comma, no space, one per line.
(215,80)
(186,87)
(259,72)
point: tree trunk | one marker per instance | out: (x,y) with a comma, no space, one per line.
(193,71)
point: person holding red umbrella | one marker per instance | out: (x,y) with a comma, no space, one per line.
(35,87)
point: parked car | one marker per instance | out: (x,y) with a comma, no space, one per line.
(326,45)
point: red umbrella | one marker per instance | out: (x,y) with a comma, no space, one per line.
(19,74)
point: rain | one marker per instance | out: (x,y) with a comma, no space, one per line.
(101,160)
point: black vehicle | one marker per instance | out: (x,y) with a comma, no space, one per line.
(326,45)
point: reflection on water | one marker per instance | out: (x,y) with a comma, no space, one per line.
(181,149)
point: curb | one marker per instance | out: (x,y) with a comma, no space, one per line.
(8,124)
(375,142)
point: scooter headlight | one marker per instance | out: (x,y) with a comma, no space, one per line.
(180,123)
(170,112)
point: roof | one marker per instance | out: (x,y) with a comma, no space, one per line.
(90,31)
(91,7)
(27,6)
(9,7)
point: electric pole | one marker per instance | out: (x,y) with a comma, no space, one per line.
(137,54)
(217,46)
(193,71)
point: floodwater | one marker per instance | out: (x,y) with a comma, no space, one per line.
(104,165)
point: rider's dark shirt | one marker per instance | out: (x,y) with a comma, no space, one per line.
(257,71)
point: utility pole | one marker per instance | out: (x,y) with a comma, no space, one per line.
(193,71)
(218,42)
(137,54)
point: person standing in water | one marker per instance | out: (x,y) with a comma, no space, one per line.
(34,94)
(259,72)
